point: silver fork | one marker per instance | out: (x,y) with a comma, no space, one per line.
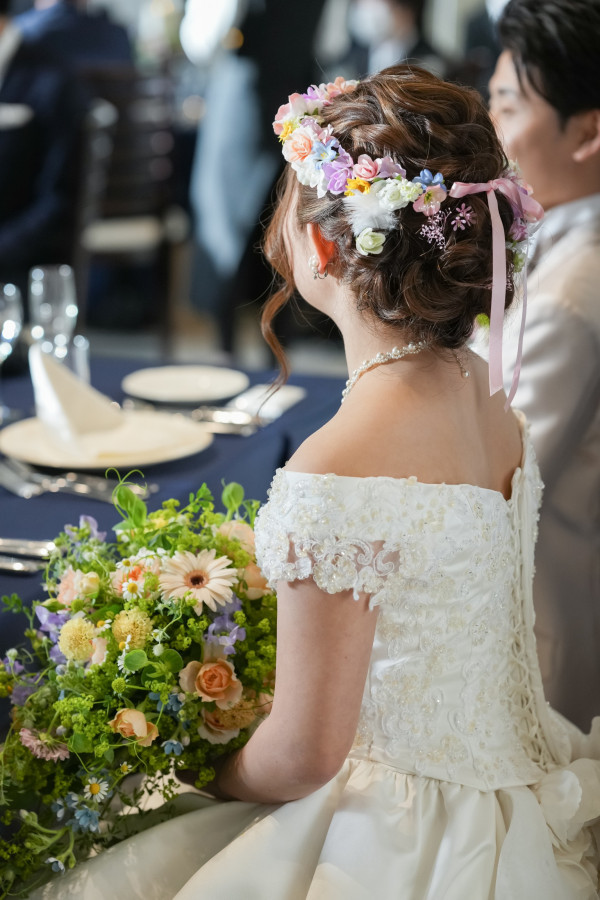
(85,485)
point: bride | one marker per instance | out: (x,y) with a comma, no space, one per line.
(409,753)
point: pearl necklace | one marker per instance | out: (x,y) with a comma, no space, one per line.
(380,359)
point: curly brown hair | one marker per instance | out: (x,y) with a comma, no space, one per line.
(421,122)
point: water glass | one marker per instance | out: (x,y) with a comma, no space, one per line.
(11,321)
(53,304)
(75,355)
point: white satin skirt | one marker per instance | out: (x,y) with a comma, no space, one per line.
(372,833)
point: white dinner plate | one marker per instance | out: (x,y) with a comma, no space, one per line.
(185,384)
(145,438)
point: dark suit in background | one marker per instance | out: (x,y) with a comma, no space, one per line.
(76,38)
(41,111)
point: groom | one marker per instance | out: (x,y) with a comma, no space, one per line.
(545,99)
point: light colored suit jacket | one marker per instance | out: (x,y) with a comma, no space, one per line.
(559,392)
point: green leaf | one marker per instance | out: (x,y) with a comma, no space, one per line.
(135,660)
(131,504)
(80,743)
(172,660)
(232,496)
(109,755)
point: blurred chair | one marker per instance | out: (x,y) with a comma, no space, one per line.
(139,227)
(95,153)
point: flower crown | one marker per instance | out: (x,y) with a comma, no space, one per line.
(374,189)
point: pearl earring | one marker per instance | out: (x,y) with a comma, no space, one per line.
(313,264)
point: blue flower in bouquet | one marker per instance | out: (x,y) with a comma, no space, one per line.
(87,819)
(57,865)
(172,705)
(174,747)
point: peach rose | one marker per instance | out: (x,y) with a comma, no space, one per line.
(131,723)
(67,590)
(256,581)
(298,147)
(241,531)
(213,680)
(99,655)
(213,730)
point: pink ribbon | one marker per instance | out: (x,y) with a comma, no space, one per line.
(524,207)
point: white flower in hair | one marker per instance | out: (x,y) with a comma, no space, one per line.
(370,242)
(396,193)
(364,210)
(307,173)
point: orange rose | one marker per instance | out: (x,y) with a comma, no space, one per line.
(256,581)
(131,723)
(213,681)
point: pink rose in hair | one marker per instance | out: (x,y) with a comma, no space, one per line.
(365,167)
(298,146)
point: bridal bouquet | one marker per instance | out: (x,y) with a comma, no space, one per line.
(153,653)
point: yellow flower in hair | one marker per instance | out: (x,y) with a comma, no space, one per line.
(287,129)
(357,184)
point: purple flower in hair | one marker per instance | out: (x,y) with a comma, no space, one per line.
(338,171)
(518,230)
(389,169)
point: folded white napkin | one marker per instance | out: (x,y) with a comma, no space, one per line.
(95,431)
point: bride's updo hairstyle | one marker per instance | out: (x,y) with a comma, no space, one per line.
(432,292)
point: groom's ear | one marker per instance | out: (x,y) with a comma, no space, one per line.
(589,135)
(325,250)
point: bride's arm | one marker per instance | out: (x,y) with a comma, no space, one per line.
(323,648)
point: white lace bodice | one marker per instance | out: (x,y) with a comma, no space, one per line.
(453,689)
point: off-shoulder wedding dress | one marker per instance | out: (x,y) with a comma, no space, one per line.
(462,784)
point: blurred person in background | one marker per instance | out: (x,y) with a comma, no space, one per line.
(384,33)
(41,111)
(253,51)
(75,36)
(545,99)
(482,46)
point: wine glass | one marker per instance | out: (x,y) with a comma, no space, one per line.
(11,321)
(53,307)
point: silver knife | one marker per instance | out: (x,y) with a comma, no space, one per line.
(74,482)
(26,566)
(18,547)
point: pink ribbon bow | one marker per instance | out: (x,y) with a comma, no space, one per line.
(524,207)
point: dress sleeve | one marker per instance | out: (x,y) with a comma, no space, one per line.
(335,531)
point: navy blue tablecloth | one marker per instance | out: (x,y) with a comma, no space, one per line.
(252,461)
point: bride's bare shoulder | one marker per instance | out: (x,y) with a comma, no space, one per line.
(329,450)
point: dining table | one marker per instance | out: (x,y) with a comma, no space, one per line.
(250,460)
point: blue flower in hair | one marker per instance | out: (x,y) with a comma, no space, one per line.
(426,179)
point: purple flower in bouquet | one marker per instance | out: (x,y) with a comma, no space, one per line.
(12,664)
(21,692)
(91,523)
(51,622)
